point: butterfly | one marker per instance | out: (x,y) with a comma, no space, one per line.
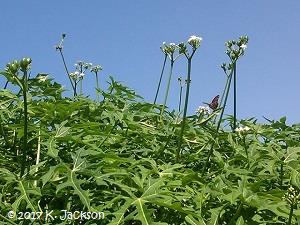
(214,103)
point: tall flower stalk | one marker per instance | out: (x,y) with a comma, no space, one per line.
(162,71)
(78,75)
(96,70)
(226,68)
(194,42)
(25,65)
(226,93)
(38,154)
(235,49)
(81,68)
(13,69)
(180,93)
(170,50)
(59,47)
(234,96)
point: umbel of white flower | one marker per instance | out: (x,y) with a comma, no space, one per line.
(242,129)
(80,65)
(96,69)
(168,48)
(235,49)
(195,41)
(202,110)
(75,75)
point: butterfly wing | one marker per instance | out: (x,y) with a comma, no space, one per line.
(214,103)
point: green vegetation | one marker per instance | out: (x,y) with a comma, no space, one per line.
(138,162)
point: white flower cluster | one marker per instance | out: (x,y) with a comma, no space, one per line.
(204,110)
(171,48)
(82,66)
(242,129)
(168,48)
(194,41)
(235,49)
(96,69)
(80,69)
(77,75)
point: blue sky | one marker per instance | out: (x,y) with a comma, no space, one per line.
(124,37)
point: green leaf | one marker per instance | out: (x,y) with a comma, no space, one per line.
(119,215)
(75,183)
(193,221)
(295,177)
(215,215)
(29,194)
(292,154)
(61,130)
(52,147)
(240,221)
(143,214)
(53,174)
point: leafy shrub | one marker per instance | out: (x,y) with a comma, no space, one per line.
(119,156)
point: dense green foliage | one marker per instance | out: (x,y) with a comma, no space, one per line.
(118,156)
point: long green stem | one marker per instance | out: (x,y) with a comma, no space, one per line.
(281,175)
(219,123)
(224,91)
(168,88)
(161,75)
(75,87)
(180,98)
(25,131)
(246,150)
(81,86)
(234,97)
(225,100)
(38,154)
(291,214)
(185,107)
(5,86)
(97,85)
(4,133)
(67,71)
(14,140)
(281,167)
(223,95)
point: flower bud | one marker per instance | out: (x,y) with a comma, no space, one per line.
(13,67)
(73,76)
(25,63)
(228,44)
(223,66)
(96,69)
(182,48)
(232,55)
